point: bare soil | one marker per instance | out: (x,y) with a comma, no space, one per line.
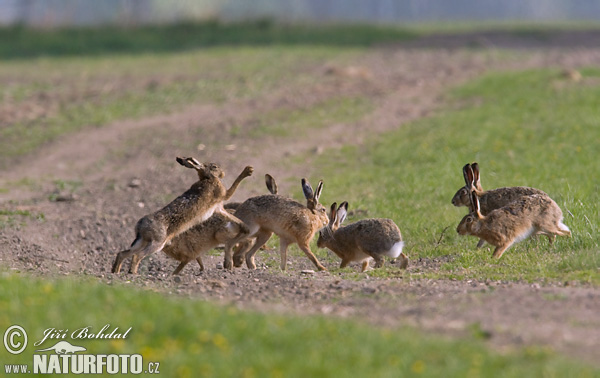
(111,176)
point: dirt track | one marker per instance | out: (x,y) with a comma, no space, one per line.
(82,236)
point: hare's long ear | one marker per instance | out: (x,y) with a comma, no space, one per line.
(318,191)
(332,214)
(189,162)
(477,183)
(342,213)
(307,189)
(468,174)
(271,184)
(475,205)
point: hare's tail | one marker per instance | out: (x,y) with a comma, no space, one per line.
(395,251)
(564,229)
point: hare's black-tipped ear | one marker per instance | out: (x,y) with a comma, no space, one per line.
(307,189)
(318,191)
(342,213)
(332,213)
(271,184)
(189,162)
(468,174)
(475,168)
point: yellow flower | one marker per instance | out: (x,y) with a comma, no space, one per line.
(418,367)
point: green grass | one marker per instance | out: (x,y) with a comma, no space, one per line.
(19,42)
(197,338)
(301,122)
(530,128)
(13,218)
(92,92)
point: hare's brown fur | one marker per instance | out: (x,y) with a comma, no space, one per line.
(362,240)
(216,230)
(514,222)
(488,199)
(288,219)
(491,199)
(197,204)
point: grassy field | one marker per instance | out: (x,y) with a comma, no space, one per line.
(195,338)
(526,128)
(530,128)
(91,92)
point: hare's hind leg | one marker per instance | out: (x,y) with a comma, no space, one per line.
(149,249)
(365,265)
(378,261)
(306,249)
(262,236)
(229,245)
(179,267)
(136,246)
(500,250)
(121,256)
(404,261)
(199,260)
(240,252)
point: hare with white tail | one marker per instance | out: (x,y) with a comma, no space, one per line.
(514,222)
(216,230)
(292,221)
(196,205)
(360,241)
(489,199)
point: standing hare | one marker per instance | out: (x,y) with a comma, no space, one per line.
(196,205)
(216,230)
(514,222)
(491,199)
(359,241)
(292,221)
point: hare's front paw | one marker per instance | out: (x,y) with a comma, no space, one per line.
(248,171)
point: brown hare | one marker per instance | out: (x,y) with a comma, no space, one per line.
(196,205)
(292,221)
(514,222)
(216,230)
(491,199)
(360,241)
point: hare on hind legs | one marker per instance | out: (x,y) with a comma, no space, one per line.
(196,205)
(216,230)
(292,221)
(360,241)
(514,222)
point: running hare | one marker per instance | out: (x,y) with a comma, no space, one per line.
(359,241)
(292,221)
(491,199)
(514,222)
(216,230)
(196,205)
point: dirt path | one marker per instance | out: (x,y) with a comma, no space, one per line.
(81,236)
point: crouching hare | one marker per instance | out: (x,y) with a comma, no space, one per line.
(534,214)
(359,241)
(196,205)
